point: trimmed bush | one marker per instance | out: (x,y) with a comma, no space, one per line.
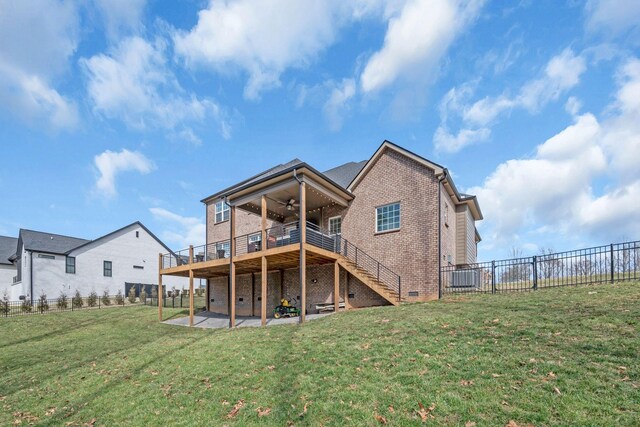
(132,295)
(76,301)
(119,298)
(92,300)
(143,296)
(4,304)
(106,299)
(154,294)
(27,307)
(63,301)
(43,304)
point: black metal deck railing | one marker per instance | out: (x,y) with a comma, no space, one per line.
(601,264)
(283,235)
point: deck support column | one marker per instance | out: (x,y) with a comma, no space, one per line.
(232,268)
(263,292)
(303,254)
(190,285)
(346,293)
(160,287)
(336,286)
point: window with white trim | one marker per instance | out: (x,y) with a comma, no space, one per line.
(388,217)
(335,225)
(254,238)
(222,212)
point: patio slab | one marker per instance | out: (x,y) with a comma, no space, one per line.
(218,321)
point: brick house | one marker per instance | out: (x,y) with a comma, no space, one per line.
(362,234)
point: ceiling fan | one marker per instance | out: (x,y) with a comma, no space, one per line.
(289,204)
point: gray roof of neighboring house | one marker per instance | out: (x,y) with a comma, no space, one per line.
(344,174)
(48,242)
(8,247)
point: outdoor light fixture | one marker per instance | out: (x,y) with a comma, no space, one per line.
(314,280)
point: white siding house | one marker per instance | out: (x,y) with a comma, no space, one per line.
(52,264)
(7,268)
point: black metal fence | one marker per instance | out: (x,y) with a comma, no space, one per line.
(45,305)
(601,264)
(180,301)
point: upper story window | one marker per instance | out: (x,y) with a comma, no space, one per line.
(222,212)
(446,214)
(388,217)
(254,238)
(107,269)
(71,265)
(223,249)
(46,256)
(335,225)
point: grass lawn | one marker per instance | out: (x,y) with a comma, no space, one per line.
(554,357)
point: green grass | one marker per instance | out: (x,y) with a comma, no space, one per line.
(554,357)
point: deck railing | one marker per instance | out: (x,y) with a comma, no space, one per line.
(283,235)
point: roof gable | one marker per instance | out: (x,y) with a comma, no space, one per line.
(106,236)
(8,247)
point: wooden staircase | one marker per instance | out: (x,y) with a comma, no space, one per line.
(378,286)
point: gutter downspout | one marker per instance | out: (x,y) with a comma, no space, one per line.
(440,180)
(295,176)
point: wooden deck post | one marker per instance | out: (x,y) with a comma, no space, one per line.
(190,285)
(263,227)
(303,254)
(160,287)
(336,286)
(232,268)
(263,292)
(346,293)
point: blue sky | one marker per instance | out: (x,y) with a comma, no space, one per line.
(120,110)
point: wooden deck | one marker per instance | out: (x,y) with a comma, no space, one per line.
(279,258)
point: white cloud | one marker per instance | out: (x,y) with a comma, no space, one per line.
(337,105)
(182,230)
(582,181)
(121,16)
(447,142)
(416,39)
(38,39)
(613,16)
(111,163)
(262,38)
(134,84)
(561,73)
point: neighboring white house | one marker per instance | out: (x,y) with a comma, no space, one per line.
(50,263)
(7,268)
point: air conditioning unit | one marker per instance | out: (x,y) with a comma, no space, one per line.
(464,279)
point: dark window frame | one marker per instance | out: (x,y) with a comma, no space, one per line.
(107,272)
(70,268)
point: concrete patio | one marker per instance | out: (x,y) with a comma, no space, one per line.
(210,320)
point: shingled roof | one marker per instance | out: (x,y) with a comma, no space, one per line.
(8,247)
(344,174)
(48,242)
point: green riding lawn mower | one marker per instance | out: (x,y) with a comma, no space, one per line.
(287,308)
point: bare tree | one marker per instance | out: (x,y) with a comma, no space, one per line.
(549,264)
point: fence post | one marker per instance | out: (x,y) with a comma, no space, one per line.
(611,255)
(535,273)
(493,277)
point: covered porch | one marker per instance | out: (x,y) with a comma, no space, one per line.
(291,239)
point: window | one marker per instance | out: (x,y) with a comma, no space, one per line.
(223,249)
(254,238)
(222,212)
(46,256)
(388,217)
(71,265)
(138,267)
(107,270)
(137,234)
(446,214)
(335,225)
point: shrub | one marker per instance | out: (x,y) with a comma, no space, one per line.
(143,296)
(63,301)
(106,299)
(26,305)
(132,295)
(76,301)
(4,304)
(43,304)
(92,300)
(119,298)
